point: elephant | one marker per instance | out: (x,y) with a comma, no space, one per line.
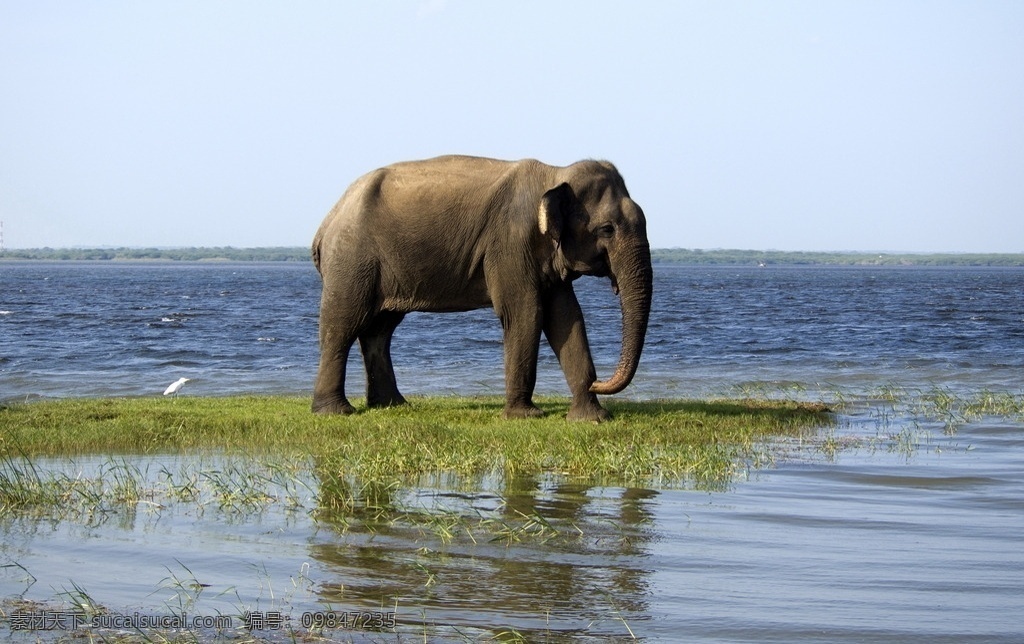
(457,233)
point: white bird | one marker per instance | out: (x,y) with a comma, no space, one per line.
(175,386)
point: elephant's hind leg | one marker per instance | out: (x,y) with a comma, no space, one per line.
(375,343)
(343,315)
(329,391)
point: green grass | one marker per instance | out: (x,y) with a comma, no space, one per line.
(242,454)
(463,436)
(352,474)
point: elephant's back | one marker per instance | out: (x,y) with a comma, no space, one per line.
(431,187)
(445,211)
(360,197)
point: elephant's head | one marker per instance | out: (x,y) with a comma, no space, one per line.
(597,229)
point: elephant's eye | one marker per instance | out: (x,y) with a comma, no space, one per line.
(605,230)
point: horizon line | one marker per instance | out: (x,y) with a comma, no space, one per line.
(653,249)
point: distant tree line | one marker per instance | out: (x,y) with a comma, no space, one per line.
(211,254)
(805,258)
(661,256)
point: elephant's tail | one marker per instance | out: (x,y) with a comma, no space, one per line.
(316,252)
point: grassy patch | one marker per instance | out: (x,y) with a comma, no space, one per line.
(464,436)
(440,469)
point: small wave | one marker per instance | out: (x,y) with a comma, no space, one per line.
(270,339)
(180,363)
(5,312)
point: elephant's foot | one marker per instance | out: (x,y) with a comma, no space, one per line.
(333,406)
(385,400)
(522,410)
(589,411)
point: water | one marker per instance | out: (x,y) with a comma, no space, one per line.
(128,330)
(909,533)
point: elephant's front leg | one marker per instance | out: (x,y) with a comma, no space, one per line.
(521,325)
(567,335)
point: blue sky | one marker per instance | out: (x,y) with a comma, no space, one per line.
(790,125)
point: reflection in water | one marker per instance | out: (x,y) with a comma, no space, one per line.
(895,537)
(523,555)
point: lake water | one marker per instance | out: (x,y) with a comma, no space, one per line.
(911,531)
(126,330)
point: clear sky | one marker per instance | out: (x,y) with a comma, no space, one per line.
(790,125)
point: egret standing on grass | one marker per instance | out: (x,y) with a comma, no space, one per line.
(175,387)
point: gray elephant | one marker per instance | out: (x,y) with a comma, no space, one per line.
(457,233)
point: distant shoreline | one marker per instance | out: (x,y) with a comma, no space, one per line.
(678,256)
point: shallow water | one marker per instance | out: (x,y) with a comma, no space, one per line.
(869,548)
(891,526)
(892,540)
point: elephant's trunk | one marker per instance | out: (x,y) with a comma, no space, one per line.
(635,279)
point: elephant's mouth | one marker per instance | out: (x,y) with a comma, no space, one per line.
(600,268)
(604,270)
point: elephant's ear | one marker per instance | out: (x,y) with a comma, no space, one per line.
(555,206)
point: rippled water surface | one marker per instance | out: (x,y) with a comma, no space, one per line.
(113,329)
(891,526)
